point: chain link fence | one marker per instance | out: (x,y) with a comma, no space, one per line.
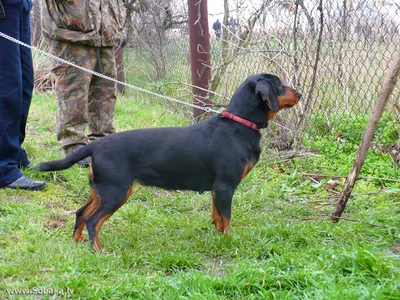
(335,52)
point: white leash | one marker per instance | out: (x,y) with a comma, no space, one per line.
(206,109)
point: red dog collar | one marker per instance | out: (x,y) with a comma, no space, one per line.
(240,120)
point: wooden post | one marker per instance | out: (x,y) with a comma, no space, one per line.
(199,54)
(387,89)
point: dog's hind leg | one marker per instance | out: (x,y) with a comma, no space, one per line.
(82,214)
(85,211)
(110,198)
(221,210)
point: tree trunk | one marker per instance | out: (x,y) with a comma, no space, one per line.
(36,25)
(199,55)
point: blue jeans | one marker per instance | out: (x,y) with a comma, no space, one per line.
(16,85)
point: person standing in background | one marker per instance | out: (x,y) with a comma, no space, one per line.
(84,32)
(217,29)
(16,86)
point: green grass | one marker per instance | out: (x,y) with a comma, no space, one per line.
(162,244)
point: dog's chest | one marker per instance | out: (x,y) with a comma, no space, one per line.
(251,161)
(248,167)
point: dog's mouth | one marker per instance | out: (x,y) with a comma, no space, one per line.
(287,99)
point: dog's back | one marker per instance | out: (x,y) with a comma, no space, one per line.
(184,158)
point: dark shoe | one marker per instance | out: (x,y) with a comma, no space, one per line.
(84,163)
(25,183)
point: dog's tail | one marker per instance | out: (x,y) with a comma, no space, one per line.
(69,161)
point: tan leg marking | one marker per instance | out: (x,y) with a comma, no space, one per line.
(96,243)
(93,204)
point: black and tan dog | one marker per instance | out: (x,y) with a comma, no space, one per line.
(213,155)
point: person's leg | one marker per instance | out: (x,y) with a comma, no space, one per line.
(27,80)
(102,96)
(10,93)
(72,89)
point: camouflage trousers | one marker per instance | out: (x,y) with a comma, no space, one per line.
(84,100)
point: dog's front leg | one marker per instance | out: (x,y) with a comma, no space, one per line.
(222,194)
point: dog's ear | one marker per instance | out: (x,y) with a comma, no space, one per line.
(268,93)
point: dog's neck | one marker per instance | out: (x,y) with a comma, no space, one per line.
(251,111)
(240,120)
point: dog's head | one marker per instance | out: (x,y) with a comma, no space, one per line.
(260,97)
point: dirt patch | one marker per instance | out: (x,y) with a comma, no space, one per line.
(396,250)
(55,222)
(218,266)
(21,199)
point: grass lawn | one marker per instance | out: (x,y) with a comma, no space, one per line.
(162,244)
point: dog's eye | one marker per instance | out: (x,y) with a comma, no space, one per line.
(281,90)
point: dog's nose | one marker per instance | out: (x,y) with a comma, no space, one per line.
(299,94)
